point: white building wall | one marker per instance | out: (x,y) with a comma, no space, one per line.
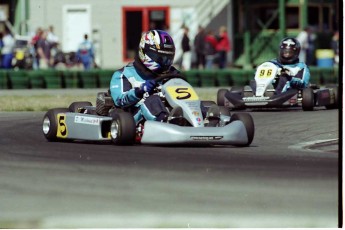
(106,17)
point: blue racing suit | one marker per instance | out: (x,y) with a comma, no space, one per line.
(297,76)
(125,92)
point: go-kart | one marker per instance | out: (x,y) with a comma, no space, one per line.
(186,124)
(261,93)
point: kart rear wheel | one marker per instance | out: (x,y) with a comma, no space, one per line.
(50,123)
(76,106)
(335,100)
(123,129)
(248,122)
(221,96)
(308,99)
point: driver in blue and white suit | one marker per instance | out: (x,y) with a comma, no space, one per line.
(295,74)
(129,85)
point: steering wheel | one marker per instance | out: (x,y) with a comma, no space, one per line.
(166,77)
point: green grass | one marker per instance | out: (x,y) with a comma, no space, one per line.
(43,102)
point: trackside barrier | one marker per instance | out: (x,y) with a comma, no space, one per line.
(98,78)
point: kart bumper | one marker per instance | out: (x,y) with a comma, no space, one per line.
(238,101)
(163,133)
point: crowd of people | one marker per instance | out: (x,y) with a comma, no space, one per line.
(43,51)
(211,49)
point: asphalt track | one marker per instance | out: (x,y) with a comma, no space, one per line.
(276,182)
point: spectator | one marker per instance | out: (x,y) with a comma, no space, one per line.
(187,55)
(85,53)
(33,48)
(210,49)
(51,37)
(54,42)
(335,47)
(223,47)
(199,45)
(7,49)
(43,51)
(306,38)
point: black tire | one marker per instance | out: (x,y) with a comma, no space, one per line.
(335,104)
(308,100)
(75,106)
(248,122)
(221,96)
(50,123)
(123,129)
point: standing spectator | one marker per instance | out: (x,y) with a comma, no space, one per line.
(85,53)
(43,51)
(199,45)
(210,49)
(306,38)
(7,49)
(51,37)
(33,47)
(1,45)
(223,47)
(335,47)
(54,42)
(187,55)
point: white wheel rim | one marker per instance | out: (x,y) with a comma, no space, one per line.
(46,125)
(114,130)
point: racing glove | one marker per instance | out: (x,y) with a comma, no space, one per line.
(296,82)
(147,87)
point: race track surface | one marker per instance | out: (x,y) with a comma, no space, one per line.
(276,182)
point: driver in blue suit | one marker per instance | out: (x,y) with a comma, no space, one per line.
(130,84)
(295,74)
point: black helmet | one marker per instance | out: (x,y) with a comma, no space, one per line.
(156,51)
(289,50)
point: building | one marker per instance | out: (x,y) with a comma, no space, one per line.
(115,26)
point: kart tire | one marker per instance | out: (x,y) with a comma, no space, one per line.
(335,102)
(123,129)
(75,106)
(308,100)
(221,96)
(50,123)
(248,122)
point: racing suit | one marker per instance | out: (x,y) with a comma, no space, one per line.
(297,75)
(125,92)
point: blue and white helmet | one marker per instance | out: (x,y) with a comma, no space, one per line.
(157,51)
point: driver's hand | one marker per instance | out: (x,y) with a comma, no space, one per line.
(148,86)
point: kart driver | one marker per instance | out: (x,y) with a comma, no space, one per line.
(135,81)
(294,74)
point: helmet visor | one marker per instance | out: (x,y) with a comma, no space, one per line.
(163,58)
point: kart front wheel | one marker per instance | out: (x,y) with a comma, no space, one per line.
(221,96)
(248,122)
(50,123)
(308,99)
(123,129)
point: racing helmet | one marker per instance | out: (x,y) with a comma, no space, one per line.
(156,51)
(289,50)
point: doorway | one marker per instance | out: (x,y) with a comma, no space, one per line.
(76,23)
(136,20)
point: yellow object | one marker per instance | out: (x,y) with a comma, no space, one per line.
(324,53)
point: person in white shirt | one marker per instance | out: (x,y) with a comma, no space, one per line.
(7,50)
